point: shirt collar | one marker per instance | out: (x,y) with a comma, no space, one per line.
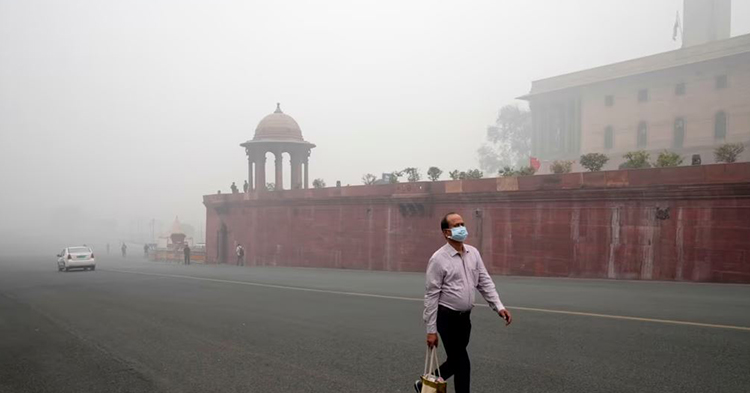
(452,251)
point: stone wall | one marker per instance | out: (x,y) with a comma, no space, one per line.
(687,223)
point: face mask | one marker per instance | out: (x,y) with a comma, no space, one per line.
(459,234)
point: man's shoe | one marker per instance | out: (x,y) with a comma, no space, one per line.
(418,385)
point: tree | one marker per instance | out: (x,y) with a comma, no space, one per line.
(729,152)
(561,166)
(369,179)
(454,175)
(472,174)
(636,160)
(594,162)
(395,175)
(434,173)
(668,159)
(412,174)
(270,186)
(508,141)
(319,183)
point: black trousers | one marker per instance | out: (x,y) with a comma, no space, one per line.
(187,259)
(455,329)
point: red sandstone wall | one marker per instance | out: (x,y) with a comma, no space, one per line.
(603,225)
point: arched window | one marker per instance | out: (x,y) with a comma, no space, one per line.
(679,133)
(642,134)
(720,126)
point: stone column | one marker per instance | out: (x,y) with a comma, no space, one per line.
(260,172)
(296,170)
(279,171)
(306,162)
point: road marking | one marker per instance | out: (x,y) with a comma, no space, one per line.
(372,295)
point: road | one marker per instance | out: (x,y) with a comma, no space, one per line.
(137,326)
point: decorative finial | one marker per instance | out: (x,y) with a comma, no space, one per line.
(278,108)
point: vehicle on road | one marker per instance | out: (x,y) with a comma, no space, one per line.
(80,257)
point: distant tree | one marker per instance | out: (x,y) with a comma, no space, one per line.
(729,152)
(369,179)
(270,186)
(594,162)
(412,174)
(668,159)
(455,175)
(508,142)
(395,175)
(561,166)
(434,173)
(319,183)
(636,160)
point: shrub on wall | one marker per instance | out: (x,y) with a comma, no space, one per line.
(522,171)
(594,161)
(561,166)
(636,160)
(668,159)
(729,152)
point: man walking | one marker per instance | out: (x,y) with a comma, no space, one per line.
(240,255)
(124,250)
(453,272)
(186,251)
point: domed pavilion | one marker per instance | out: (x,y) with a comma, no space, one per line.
(277,133)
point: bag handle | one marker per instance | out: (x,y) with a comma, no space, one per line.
(431,361)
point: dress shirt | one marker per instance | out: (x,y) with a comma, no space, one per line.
(451,279)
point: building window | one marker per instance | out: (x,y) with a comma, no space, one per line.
(679,89)
(609,101)
(643,95)
(720,126)
(609,138)
(679,133)
(721,82)
(642,134)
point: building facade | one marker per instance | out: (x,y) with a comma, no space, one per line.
(688,101)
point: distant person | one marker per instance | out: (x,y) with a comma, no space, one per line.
(234,188)
(145,250)
(186,251)
(240,255)
(124,250)
(453,273)
(245,186)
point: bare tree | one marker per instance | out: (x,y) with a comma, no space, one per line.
(369,179)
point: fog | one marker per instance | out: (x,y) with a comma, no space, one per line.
(114,114)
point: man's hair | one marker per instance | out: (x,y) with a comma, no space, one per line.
(444,222)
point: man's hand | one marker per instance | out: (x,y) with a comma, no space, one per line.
(432,340)
(505,314)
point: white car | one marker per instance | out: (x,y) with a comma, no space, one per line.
(76,258)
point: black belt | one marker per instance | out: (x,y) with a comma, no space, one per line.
(451,311)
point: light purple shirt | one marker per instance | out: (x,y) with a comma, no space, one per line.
(451,279)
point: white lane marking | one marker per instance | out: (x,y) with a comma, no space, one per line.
(372,295)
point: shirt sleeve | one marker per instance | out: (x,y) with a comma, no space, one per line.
(486,287)
(433,286)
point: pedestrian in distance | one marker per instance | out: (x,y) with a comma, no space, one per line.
(240,251)
(124,250)
(454,271)
(186,251)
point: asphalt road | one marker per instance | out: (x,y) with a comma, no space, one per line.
(137,326)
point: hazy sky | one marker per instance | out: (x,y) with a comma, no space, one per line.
(133,110)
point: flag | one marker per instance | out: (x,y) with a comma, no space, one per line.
(677,27)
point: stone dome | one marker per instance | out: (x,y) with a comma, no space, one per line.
(278,126)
